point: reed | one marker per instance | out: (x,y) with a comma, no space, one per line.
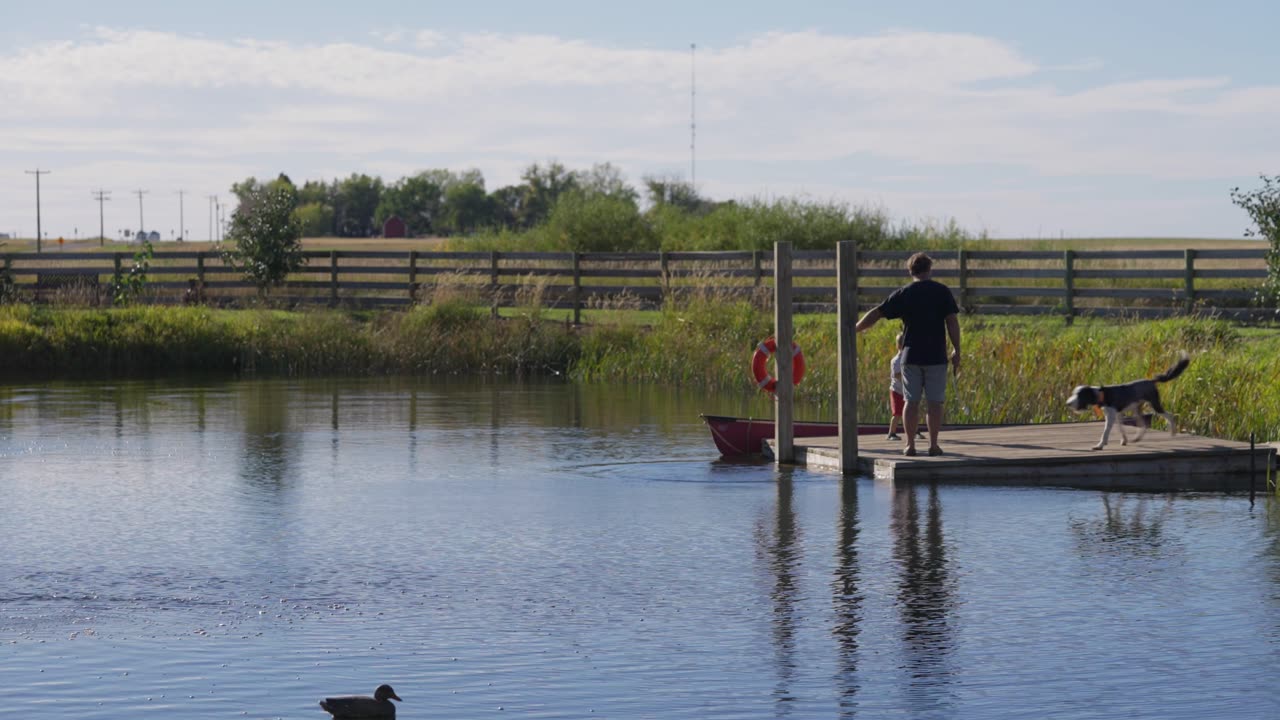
(1015,369)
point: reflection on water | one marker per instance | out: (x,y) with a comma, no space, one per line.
(1129,525)
(777,538)
(924,595)
(847,599)
(228,549)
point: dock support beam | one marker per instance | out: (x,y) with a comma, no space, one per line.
(784,438)
(847,312)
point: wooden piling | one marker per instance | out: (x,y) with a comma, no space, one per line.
(784,448)
(847,312)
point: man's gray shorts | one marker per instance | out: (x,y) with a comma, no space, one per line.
(927,381)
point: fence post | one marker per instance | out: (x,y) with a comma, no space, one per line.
(493,282)
(962,260)
(1068,283)
(333,278)
(413,277)
(847,357)
(577,288)
(757,264)
(200,277)
(115,276)
(783,431)
(664,275)
(1189,287)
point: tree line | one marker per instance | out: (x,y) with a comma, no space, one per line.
(554,208)
(445,203)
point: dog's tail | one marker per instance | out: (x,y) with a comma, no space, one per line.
(1183,361)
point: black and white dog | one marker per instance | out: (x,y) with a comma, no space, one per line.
(1116,399)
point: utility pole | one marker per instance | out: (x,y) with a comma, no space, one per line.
(101,195)
(140,193)
(182,218)
(213,200)
(37,172)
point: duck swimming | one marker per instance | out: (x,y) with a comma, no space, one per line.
(362,706)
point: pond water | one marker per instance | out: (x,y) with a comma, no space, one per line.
(245,548)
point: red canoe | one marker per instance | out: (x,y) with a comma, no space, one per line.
(740,437)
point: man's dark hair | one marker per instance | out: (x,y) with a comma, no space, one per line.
(919,264)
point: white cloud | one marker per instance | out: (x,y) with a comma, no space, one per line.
(934,104)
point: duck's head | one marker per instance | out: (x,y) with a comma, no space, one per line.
(384,692)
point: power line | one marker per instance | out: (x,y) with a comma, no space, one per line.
(37,172)
(101,196)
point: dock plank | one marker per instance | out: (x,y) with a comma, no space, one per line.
(1058,454)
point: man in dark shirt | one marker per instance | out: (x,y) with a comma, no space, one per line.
(928,312)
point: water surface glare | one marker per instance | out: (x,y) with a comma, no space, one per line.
(243,549)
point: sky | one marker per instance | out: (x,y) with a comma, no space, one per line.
(1028,119)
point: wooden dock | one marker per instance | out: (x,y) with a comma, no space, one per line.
(1058,455)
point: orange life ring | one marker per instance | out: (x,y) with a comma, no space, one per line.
(760,365)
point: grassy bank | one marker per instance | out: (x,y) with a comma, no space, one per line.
(1016,369)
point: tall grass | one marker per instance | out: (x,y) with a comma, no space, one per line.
(1015,369)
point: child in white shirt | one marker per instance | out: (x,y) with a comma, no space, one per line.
(896,400)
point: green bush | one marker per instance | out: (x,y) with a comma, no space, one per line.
(583,222)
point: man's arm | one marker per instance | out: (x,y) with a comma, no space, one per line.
(871,318)
(953,331)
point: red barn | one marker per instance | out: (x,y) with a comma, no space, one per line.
(394,227)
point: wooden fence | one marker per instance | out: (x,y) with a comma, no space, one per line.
(1140,283)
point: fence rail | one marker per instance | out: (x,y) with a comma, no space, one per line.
(1142,283)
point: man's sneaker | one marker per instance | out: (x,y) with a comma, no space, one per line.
(892,436)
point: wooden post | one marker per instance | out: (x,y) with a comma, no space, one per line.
(962,261)
(493,282)
(413,277)
(333,278)
(115,277)
(1189,286)
(664,276)
(200,278)
(757,264)
(784,438)
(847,312)
(1253,466)
(1068,283)
(577,289)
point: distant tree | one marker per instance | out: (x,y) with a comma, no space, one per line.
(673,192)
(543,185)
(606,179)
(418,200)
(507,206)
(265,236)
(422,201)
(251,186)
(467,208)
(315,219)
(594,222)
(246,188)
(316,191)
(355,201)
(1263,206)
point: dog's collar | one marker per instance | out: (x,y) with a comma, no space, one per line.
(1097,407)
